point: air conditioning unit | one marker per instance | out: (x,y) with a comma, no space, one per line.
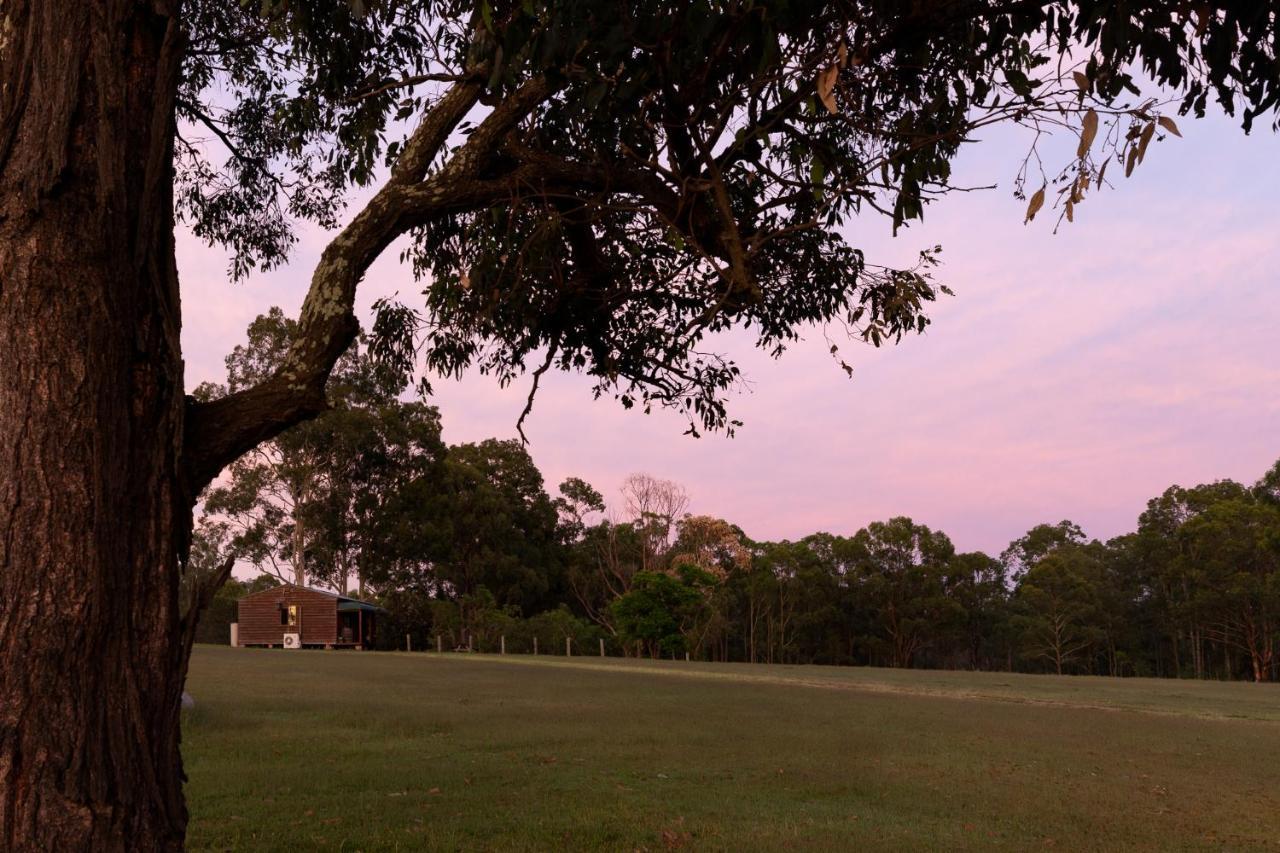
(293,641)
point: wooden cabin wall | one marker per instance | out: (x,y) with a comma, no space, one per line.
(259,617)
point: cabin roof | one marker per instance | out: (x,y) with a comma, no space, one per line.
(345,602)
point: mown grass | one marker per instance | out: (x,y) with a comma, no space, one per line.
(365,751)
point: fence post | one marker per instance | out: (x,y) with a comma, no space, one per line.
(567,640)
(602,647)
(686,657)
(439,645)
(504,644)
(535,645)
(408,643)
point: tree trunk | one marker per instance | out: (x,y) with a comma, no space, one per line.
(299,547)
(94,515)
(1197,652)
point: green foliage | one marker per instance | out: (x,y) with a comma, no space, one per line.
(1038,543)
(902,572)
(498,526)
(321,496)
(578,499)
(1268,488)
(658,607)
(978,584)
(664,171)
(551,627)
(1233,548)
(1057,607)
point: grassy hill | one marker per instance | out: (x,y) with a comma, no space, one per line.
(365,751)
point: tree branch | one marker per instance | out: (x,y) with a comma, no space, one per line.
(202,595)
(219,431)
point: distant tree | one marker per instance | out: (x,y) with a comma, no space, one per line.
(820,617)
(980,587)
(1267,488)
(292,498)
(653,506)
(1126,609)
(1170,575)
(475,621)
(902,573)
(601,567)
(1057,605)
(764,595)
(499,527)
(606,557)
(374,456)
(1235,546)
(719,550)
(654,615)
(210,549)
(774,590)
(553,627)
(474,532)
(204,578)
(1037,543)
(208,573)
(712,544)
(578,499)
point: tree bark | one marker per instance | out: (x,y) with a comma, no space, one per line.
(94,512)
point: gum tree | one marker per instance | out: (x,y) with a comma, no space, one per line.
(583,185)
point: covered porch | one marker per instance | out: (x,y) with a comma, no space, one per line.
(357,624)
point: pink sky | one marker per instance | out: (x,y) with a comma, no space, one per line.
(1072,376)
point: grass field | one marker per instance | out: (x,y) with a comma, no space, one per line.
(349,751)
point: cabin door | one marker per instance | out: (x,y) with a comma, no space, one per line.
(349,628)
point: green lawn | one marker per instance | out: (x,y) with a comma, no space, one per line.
(367,751)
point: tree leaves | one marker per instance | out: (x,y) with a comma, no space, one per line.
(1145,139)
(826,84)
(1088,131)
(683,136)
(1037,202)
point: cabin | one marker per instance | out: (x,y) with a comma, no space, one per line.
(294,617)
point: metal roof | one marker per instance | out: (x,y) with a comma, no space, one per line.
(344,602)
(349,604)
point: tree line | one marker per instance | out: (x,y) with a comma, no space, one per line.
(465,542)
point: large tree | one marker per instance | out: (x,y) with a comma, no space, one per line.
(1057,604)
(1170,573)
(305,505)
(500,527)
(585,186)
(1233,547)
(902,571)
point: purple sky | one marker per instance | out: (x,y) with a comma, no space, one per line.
(1073,375)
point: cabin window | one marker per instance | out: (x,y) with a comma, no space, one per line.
(289,614)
